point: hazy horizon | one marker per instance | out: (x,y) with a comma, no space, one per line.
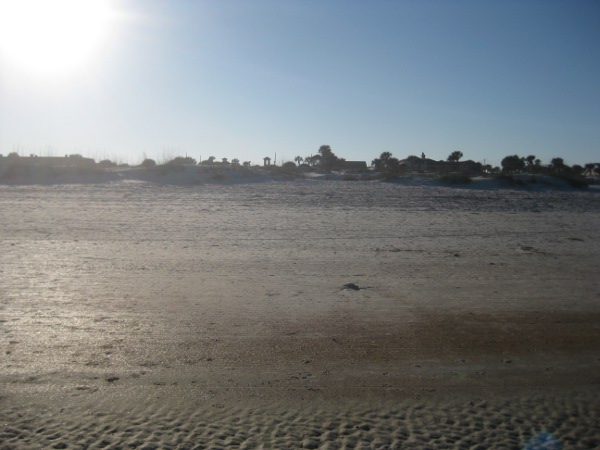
(135,79)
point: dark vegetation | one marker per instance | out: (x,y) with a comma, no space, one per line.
(514,169)
(107,164)
(573,175)
(14,166)
(148,163)
(456,178)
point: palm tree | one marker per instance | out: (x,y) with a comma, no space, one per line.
(530,160)
(386,163)
(312,160)
(558,164)
(299,159)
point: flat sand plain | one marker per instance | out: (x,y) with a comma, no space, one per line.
(134,315)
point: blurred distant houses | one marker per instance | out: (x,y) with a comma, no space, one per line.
(53,161)
(592,170)
(14,166)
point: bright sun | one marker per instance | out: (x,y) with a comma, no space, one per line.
(53,37)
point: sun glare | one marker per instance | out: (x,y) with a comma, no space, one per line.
(53,37)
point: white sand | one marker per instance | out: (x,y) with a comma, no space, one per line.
(133,315)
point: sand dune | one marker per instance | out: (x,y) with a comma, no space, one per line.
(194,175)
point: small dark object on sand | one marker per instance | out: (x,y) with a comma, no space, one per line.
(352,286)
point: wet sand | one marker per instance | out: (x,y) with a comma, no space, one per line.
(135,315)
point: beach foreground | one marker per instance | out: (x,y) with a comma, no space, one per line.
(298,315)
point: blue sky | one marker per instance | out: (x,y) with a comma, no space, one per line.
(248,79)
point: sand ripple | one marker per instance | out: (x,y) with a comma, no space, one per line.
(542,422)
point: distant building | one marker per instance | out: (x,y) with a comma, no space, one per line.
(13,165)
(266,161)
(49,161)
(66,161)
(592,170)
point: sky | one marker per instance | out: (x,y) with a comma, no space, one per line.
(253,78)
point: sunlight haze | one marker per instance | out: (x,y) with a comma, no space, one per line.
(46,38)
(131,79)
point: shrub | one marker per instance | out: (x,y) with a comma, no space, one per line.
(218,175)
(164,169)
(511,180)
(288,167)
(148,163)
(456,178)
(106,164)
(179,160)
(576,181)
(388,176)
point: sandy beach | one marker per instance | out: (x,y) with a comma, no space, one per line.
(306,314)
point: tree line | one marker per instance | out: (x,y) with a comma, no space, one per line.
(390,166)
